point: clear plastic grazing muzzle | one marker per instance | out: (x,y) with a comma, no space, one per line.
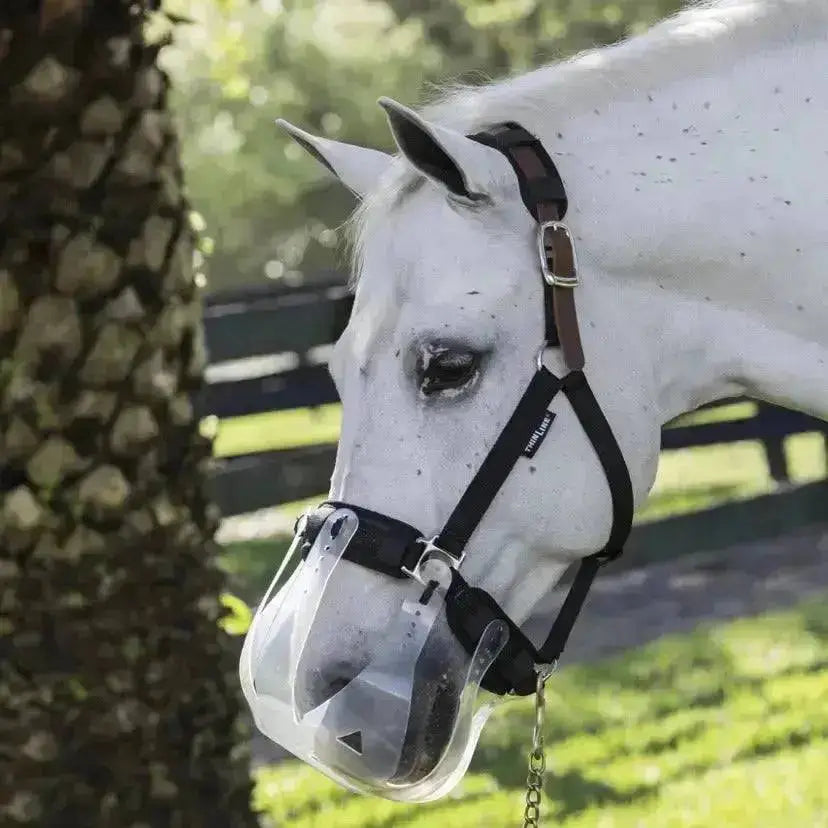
(376,733)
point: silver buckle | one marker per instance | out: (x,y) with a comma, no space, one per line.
(431,550)
(549,277)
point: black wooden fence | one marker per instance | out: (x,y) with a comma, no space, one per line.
(293,326)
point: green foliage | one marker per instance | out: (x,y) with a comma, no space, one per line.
(726,726)
(322,64)
(238,617)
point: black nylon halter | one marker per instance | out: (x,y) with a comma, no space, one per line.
(394,548)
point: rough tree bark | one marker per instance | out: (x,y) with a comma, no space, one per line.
(118,699)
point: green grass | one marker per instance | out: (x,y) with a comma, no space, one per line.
(726,726)
(278,430)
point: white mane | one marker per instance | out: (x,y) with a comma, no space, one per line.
(701,40)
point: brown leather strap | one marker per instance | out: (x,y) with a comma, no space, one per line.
(542,192)
(566,315)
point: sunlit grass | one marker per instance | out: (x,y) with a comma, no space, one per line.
(693,479)
(721,413)
(725,726)
(278,430)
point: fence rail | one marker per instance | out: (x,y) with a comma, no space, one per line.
(291,327)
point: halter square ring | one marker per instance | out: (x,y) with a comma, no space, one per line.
(549,275)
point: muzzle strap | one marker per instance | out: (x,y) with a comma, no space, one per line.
(381,543)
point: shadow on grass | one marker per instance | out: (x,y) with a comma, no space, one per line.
(815,619)
(699,674)
(571,792)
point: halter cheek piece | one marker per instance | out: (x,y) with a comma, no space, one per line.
(394,548)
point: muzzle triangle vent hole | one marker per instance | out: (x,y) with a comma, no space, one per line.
(352,741)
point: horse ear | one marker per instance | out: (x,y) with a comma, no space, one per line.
(464,167)
(358,168)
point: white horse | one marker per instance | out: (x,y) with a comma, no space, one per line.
(695,158)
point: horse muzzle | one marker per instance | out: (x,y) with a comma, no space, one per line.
(404,726)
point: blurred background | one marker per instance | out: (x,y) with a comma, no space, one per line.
(270,214)
(697,678)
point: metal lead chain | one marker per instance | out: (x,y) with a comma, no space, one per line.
(537,758)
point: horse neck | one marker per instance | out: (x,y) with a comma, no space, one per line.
(703,201)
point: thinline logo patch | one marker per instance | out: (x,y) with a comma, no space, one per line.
(538,434)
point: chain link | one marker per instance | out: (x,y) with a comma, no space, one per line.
(537,758)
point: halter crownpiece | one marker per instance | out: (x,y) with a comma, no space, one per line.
(501,659)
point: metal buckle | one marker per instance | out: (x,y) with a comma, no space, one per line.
(540,354)
(431,550)
(549,276)
(546,670)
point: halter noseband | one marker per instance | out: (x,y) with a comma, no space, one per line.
(394,548)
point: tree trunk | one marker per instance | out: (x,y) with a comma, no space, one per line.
(118,692)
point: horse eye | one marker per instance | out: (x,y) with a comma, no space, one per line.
(443,368)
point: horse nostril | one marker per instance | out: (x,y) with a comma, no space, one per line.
(336,685)
(324,682)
